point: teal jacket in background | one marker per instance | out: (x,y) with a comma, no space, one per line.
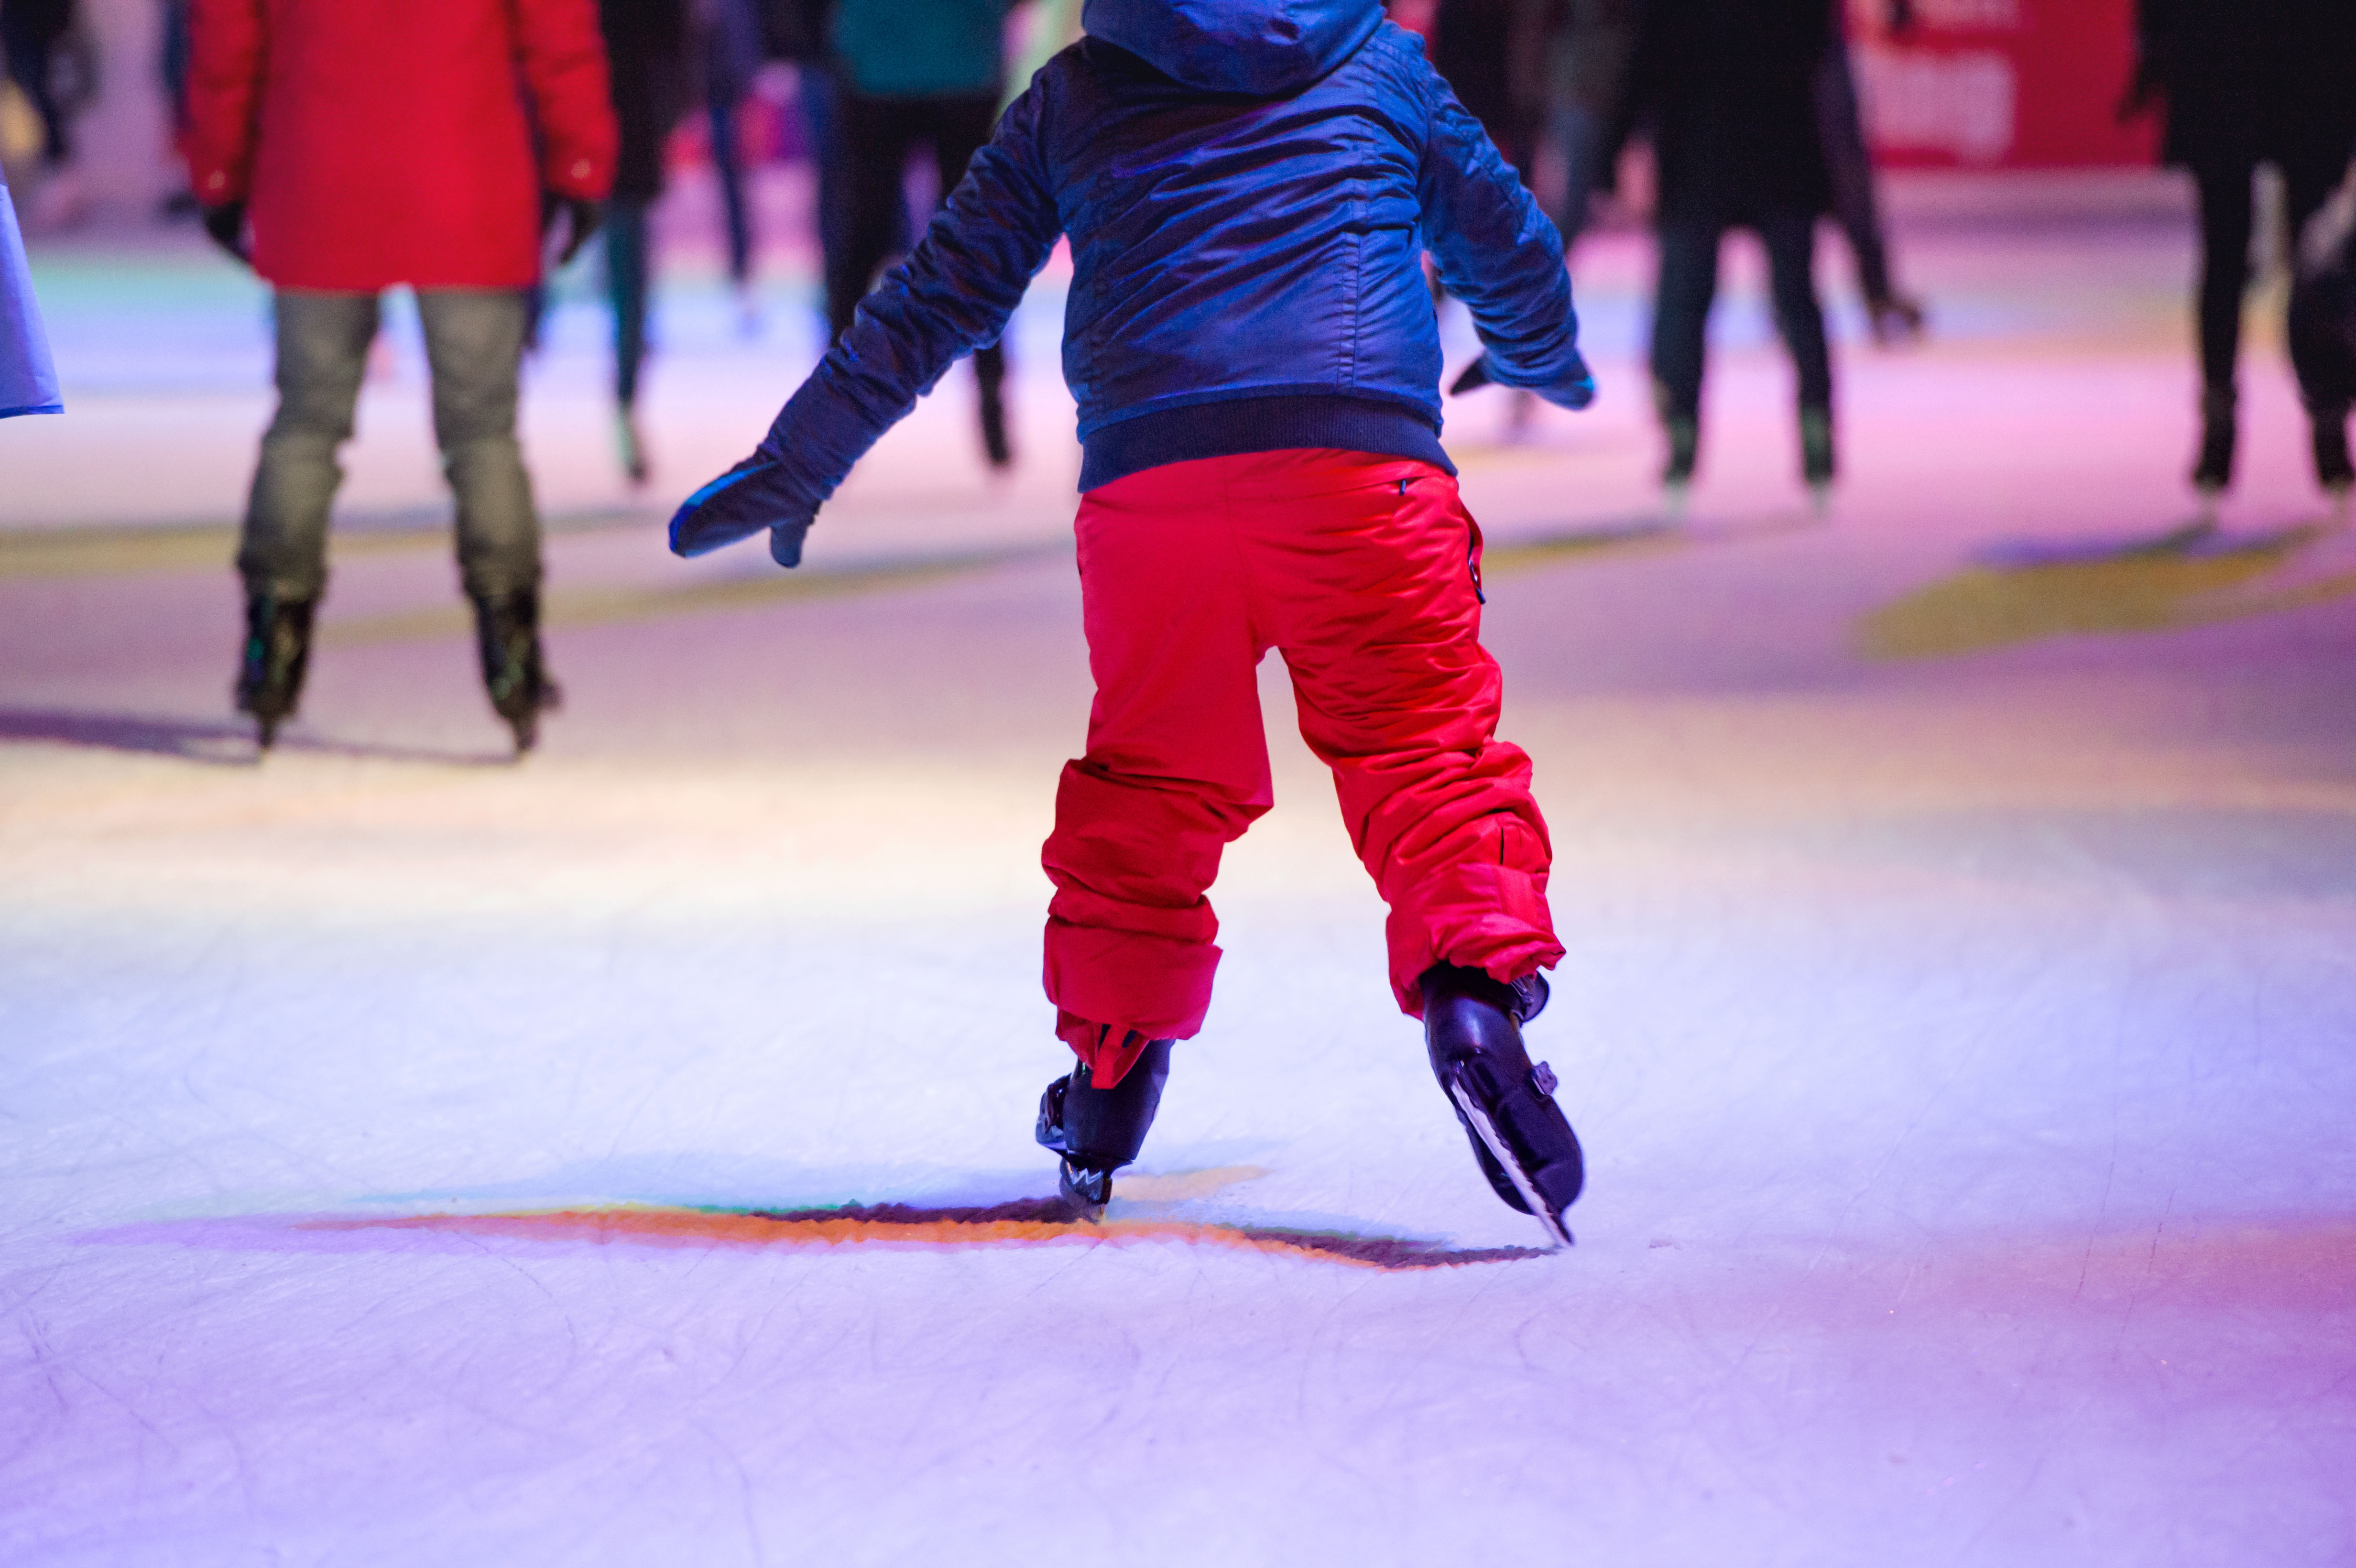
(919,48)
(28,381)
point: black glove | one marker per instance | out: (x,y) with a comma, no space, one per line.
(226,224)
(753,495)
(1475,377)
(1575,390)
(581,215)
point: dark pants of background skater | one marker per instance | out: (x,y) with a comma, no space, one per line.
(31,34)
(2226,215)
(1849,168)
(874,137)
(731,50)
(474,344)
(628,261)
(1688,286)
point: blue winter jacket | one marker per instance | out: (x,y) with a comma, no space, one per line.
(1249,187)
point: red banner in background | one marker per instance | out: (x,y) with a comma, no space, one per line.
(1987,84)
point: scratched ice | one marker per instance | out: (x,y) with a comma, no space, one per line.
(407,1158)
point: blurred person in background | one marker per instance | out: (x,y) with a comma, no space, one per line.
(728,49)
(1492,56)
(1586,78)
(28,379)
(797,31)
(341,147)
(52,63)
(1727,91)
(2245,82)
(172,72)
(1891,316)
(648,48)
(912,72)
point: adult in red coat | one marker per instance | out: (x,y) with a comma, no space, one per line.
(345,146)
(383,142)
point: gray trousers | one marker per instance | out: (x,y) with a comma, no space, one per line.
(473,343)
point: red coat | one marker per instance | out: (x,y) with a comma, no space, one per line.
(383,142)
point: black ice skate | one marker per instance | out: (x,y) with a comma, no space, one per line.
(1472,1026)
(514,671)
(1817,465)
(2215,469)
(1097,1131)
(990,373)
(269,669)
(2334,470)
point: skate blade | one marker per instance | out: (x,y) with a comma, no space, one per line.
(1480,1124)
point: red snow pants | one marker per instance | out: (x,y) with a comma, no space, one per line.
(1363,572)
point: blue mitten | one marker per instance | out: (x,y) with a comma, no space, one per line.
(1576,389)
(753,495)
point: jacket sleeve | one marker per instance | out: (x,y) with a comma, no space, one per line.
(226,51)
(561,56)
(1497,251)
(952,295)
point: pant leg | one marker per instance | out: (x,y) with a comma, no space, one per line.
(322,342)
(627,268)
(2225,220)
(1365,573)
(821,103)
(474,342)
(1688,285)
(959,128)
(2307,184)
(1177,760)
(1580,134)
(728,163)
(1791,241)
(1849,168)
(874,139)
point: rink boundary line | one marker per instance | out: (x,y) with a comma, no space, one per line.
(2182,579)
(609,606)
(1020,1223)
(123,549)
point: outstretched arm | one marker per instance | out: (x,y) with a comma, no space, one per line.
(951,296)
(1501,255)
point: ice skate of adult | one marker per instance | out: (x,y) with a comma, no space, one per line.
(1895,319)
(1524,1143)
(1677,472)
(1817,466)
(515,669)
(271,666)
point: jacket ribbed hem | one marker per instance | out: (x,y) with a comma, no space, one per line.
(1238,425)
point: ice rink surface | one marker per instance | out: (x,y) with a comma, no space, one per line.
(409,1158)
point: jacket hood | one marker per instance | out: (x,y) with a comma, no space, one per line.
(1264,48)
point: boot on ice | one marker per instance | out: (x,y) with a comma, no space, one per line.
(1097,1131)
(270,666)
(1472,1028)
(515,672)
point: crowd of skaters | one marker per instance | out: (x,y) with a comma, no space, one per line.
(1749,108)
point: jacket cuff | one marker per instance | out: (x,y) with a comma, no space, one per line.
(578,176)
(215,184)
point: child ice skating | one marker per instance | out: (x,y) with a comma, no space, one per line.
(1248,187)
